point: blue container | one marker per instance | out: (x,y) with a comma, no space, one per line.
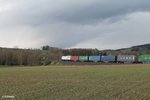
(94,58)
(108,58)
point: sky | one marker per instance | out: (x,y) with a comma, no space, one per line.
(101,24)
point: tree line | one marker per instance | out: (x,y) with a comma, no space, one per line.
(45,56)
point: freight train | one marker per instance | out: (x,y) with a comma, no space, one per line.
(109,59)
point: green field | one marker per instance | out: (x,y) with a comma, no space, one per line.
(99,82)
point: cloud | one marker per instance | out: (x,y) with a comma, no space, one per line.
(99,10)
(133,30)
(102,24)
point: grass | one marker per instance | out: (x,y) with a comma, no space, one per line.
(99,82)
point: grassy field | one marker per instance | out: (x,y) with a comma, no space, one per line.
(99,82)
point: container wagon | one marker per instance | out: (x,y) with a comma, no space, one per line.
(83,58)
(144,58)
(94,58)
(108,59)
(66,58)
(74,58)
(125,58)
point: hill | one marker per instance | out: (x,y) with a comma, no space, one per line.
(136,50)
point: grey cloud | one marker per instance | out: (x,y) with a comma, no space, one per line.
(72,23)
(124,33)
(83,12)
(99,10)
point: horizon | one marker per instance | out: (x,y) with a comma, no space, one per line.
(16,47)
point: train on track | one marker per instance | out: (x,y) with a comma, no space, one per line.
(108,59)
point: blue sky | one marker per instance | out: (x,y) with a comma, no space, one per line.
(102,24)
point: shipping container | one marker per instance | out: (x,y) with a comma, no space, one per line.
(94,58)
(74,58)
(83,58)
(144,58)
(66,58)
(126,58)
(108,58)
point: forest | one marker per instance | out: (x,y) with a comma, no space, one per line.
(45,56)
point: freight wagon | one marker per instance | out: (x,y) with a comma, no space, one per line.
(83,58)
(94,58)
(74,58)
(125,58)
(66,58)
(108,58)
(144,58)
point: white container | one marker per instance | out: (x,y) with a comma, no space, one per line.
(66,58)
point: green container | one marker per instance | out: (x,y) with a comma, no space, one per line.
(144,58)
(83,58)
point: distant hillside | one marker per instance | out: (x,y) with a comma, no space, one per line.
(136,50)
(145,46)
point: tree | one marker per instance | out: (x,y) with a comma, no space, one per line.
(45,47)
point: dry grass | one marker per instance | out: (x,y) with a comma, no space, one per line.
(99,82)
